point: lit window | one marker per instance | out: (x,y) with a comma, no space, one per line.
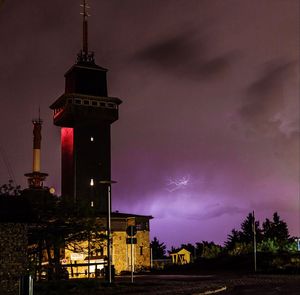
(92,204)
(92,182)
(92,138)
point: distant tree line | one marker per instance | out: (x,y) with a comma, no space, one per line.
(272,237)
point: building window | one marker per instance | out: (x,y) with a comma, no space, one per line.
(86,102)
(78,101)
(141,250)
(92,138)
(94,103)
(92,182)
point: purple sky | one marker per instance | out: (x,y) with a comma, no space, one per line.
(209,125)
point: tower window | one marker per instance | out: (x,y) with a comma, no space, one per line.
(86,102)
(78,101)
(92,182)
(141,250)
(94,103)
(92,204)
(102,104)
(92,138)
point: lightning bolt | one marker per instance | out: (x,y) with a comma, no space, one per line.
(179,183)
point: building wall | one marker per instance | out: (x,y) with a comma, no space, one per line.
(13,256)
(121,255)
(122,252)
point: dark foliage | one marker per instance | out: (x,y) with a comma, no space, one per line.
(158,249)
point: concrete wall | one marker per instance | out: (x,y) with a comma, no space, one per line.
(13,256)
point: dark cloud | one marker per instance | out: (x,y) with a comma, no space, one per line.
(170,52)
(184,54)
(265,97)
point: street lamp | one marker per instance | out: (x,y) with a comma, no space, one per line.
(108,183)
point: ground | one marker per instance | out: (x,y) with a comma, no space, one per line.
(179,284)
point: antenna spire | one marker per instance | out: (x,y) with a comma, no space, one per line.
(85,55)
(85,16)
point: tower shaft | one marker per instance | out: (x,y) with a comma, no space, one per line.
(36,178)
(37,138)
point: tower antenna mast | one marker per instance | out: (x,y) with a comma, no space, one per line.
(85,16)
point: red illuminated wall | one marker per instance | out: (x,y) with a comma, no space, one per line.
(67,140)
(67,162)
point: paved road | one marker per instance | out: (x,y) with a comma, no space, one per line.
(178,284)
(271,289)
(235,285)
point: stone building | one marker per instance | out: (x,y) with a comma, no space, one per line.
(83,263)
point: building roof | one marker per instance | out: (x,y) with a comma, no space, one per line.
(117,214)
(180,250)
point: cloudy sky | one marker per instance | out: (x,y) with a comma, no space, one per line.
(209,125)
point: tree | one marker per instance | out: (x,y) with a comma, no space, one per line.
(211,250)
(233,239)
(158,249)
(276,231)
(10,189)
(248,230)
(241,241)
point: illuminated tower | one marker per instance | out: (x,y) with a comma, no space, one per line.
(36,177)
(85,113)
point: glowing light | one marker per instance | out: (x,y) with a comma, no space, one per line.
(52,190)
(176,184)
(92,204)
(92,182)
(92,138)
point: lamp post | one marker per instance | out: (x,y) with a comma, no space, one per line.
(254,241)
(108,183)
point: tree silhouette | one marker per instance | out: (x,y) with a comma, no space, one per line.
(233,239)
(277,231)
(273,237)
(248,230)
(10,189)
(158,249)
(240,241)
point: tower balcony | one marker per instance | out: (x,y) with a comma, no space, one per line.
(72,109)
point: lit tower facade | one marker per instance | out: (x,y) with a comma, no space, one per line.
(85,113)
